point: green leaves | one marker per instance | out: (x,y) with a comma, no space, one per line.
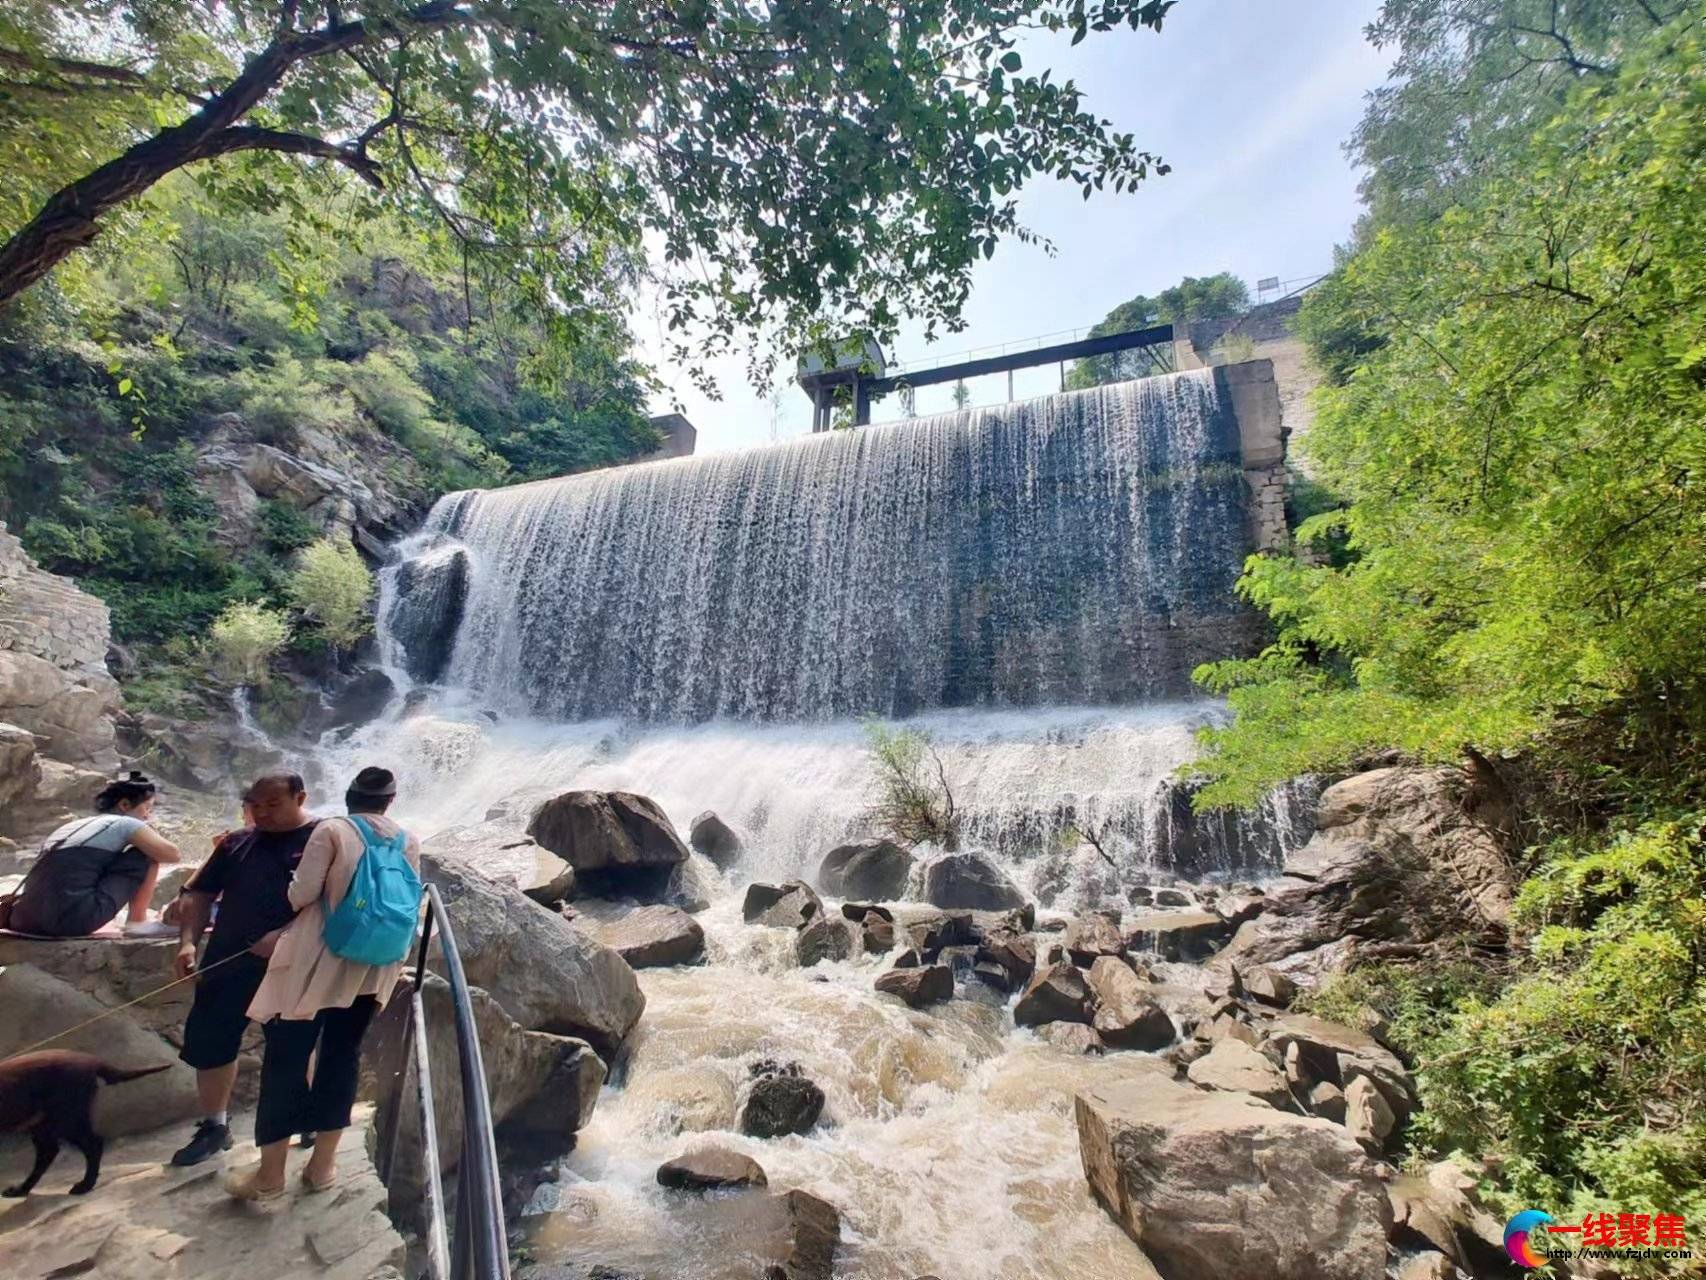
(1514,444)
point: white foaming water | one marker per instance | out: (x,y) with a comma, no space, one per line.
(1076,549)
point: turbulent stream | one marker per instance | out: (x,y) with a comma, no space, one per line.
(1031,586)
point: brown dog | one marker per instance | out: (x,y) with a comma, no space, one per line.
(50,1095)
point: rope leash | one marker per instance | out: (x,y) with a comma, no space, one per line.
(147,995)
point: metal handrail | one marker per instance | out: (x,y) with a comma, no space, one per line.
(478,1249)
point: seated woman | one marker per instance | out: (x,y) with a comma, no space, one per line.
(91,868)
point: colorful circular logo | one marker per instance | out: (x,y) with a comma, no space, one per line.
(1516,1237)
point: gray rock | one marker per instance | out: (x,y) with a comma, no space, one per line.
(1231,1064)
(1328,1102)
(1218,1186)
(993,975)
(792,905)
(1015,953)
(1057,993)
(1400,855)
(969,880)
(620,844)
(1126,1015)
(874,869)
(39,1005)
(813,1233)
(1178,935)
(1438,1210)
(711,1169)
(547,975)
(1091,936)
(780,1100)
(1367,1116)
(653,937)
(1426,1266)
(918,987)
(1317,1050)
(1269,985)
(1074,1037)
(878,933)
(498,851)
(714,838)
(826,937)
(1173,898)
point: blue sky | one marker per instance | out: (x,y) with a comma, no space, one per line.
(1248,100)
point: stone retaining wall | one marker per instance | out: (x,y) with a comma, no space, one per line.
(48,616)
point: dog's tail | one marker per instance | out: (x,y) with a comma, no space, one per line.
(118,1075)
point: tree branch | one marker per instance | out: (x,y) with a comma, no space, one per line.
(253,138)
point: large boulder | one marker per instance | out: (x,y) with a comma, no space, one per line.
(716,839)
(1218,1186)
(969,881)
(1177,935)
(878,870)
(70,712)
(1437,1209)
(547,975)
(497,851)
(791,905)
(1233,1065)
(926,984)
(620,844)
(779,1101)
(651,937)
(1127,1016)
(39,1005)
(19,769)
(827,937)
(1401,857)
(711,1169)
(1093,935)
(1058,993)
(1317,1051)
(542,1087)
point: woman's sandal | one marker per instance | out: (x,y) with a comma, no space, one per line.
(243,1186)
(312,1185)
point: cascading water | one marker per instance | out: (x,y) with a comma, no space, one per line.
(1031,585)
(1078,549)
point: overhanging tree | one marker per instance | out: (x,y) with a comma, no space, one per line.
(793,165)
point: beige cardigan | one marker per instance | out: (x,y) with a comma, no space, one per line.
(303,976)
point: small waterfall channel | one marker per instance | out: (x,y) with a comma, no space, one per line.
(1030,585)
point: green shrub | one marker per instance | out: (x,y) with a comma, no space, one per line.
(914,804)
(284,529)
(244,638)
(331,586)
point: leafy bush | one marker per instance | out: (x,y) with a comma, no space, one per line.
(331,586)
(244,638)
(915,804)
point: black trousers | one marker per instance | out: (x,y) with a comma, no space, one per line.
(291,1102)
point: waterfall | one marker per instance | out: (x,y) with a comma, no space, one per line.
(1077,549)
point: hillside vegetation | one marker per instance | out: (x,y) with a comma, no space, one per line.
(349,341)
(1515,570)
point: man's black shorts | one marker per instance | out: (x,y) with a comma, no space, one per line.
(214,1030)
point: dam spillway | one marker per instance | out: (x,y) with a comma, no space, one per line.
(1079,549)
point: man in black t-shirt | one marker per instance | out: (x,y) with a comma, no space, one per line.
(249,877)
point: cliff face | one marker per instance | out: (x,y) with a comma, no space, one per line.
(57,700)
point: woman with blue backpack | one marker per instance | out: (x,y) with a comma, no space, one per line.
(357,893)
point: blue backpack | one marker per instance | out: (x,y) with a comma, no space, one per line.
(375,922)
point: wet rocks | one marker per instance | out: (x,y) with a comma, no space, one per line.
(929,984)
(969,881)
(1074,1037)
(547,975)
(1092,936)
(1126,1017)
(1057,993)
(1218,1186)
(1233,1065)
(653,937)
(1013,952)
(715,839)
(620,844)
(875,869)
(826,937)
(813,1232)
(1178,935)
(711,1169)
(791,905)
(495,850)
(780,1100)
(877,933)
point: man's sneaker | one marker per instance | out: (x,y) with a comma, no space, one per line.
(209,1139)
